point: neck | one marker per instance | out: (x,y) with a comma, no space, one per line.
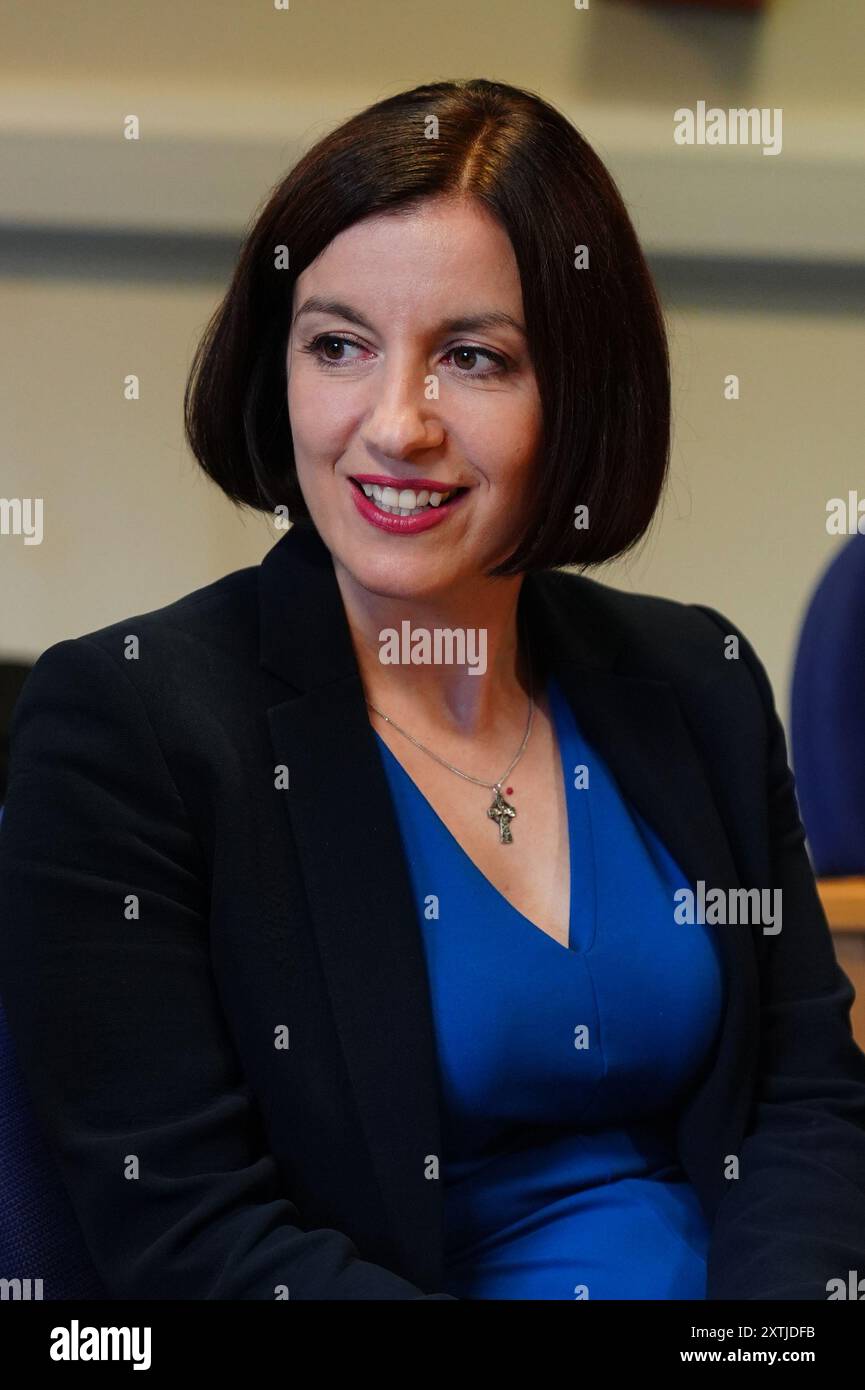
(445,697)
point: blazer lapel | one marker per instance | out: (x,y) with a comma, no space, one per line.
(359,889)
(636,724)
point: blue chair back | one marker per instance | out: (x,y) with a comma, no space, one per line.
(828,717)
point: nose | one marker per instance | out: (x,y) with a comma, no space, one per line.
(403,419)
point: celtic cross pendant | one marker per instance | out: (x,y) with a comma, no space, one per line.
(502,812)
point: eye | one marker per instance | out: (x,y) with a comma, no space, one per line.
(317,345)
(469,350)
(322,342)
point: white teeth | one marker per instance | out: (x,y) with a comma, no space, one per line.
(405,502)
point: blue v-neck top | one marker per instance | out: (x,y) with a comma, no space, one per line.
(563,1069)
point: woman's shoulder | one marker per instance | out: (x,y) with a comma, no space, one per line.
(228,604)
(651,635)
(217,614)
(697,651)
(171,661)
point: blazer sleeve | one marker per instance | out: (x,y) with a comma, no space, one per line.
(115,1019)
(795,1217)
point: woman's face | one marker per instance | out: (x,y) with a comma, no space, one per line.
(393,382)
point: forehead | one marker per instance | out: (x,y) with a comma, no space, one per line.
(433,255)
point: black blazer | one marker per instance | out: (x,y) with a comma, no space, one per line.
(207,1159)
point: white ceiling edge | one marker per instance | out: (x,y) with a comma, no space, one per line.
(206,161)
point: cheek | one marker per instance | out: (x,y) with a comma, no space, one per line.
(506,429)
(506,454)
(298,387)
(321,415)
(307,415)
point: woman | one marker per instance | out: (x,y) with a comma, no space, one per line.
(344,943)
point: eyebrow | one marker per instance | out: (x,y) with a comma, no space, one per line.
(466,323)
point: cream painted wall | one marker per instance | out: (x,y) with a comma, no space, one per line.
(743,527)
(809,51)
(129,523)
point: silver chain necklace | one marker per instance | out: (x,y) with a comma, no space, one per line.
(501,811)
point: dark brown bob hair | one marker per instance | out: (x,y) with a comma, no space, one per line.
(596,335)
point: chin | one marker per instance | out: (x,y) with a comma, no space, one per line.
(394,577)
